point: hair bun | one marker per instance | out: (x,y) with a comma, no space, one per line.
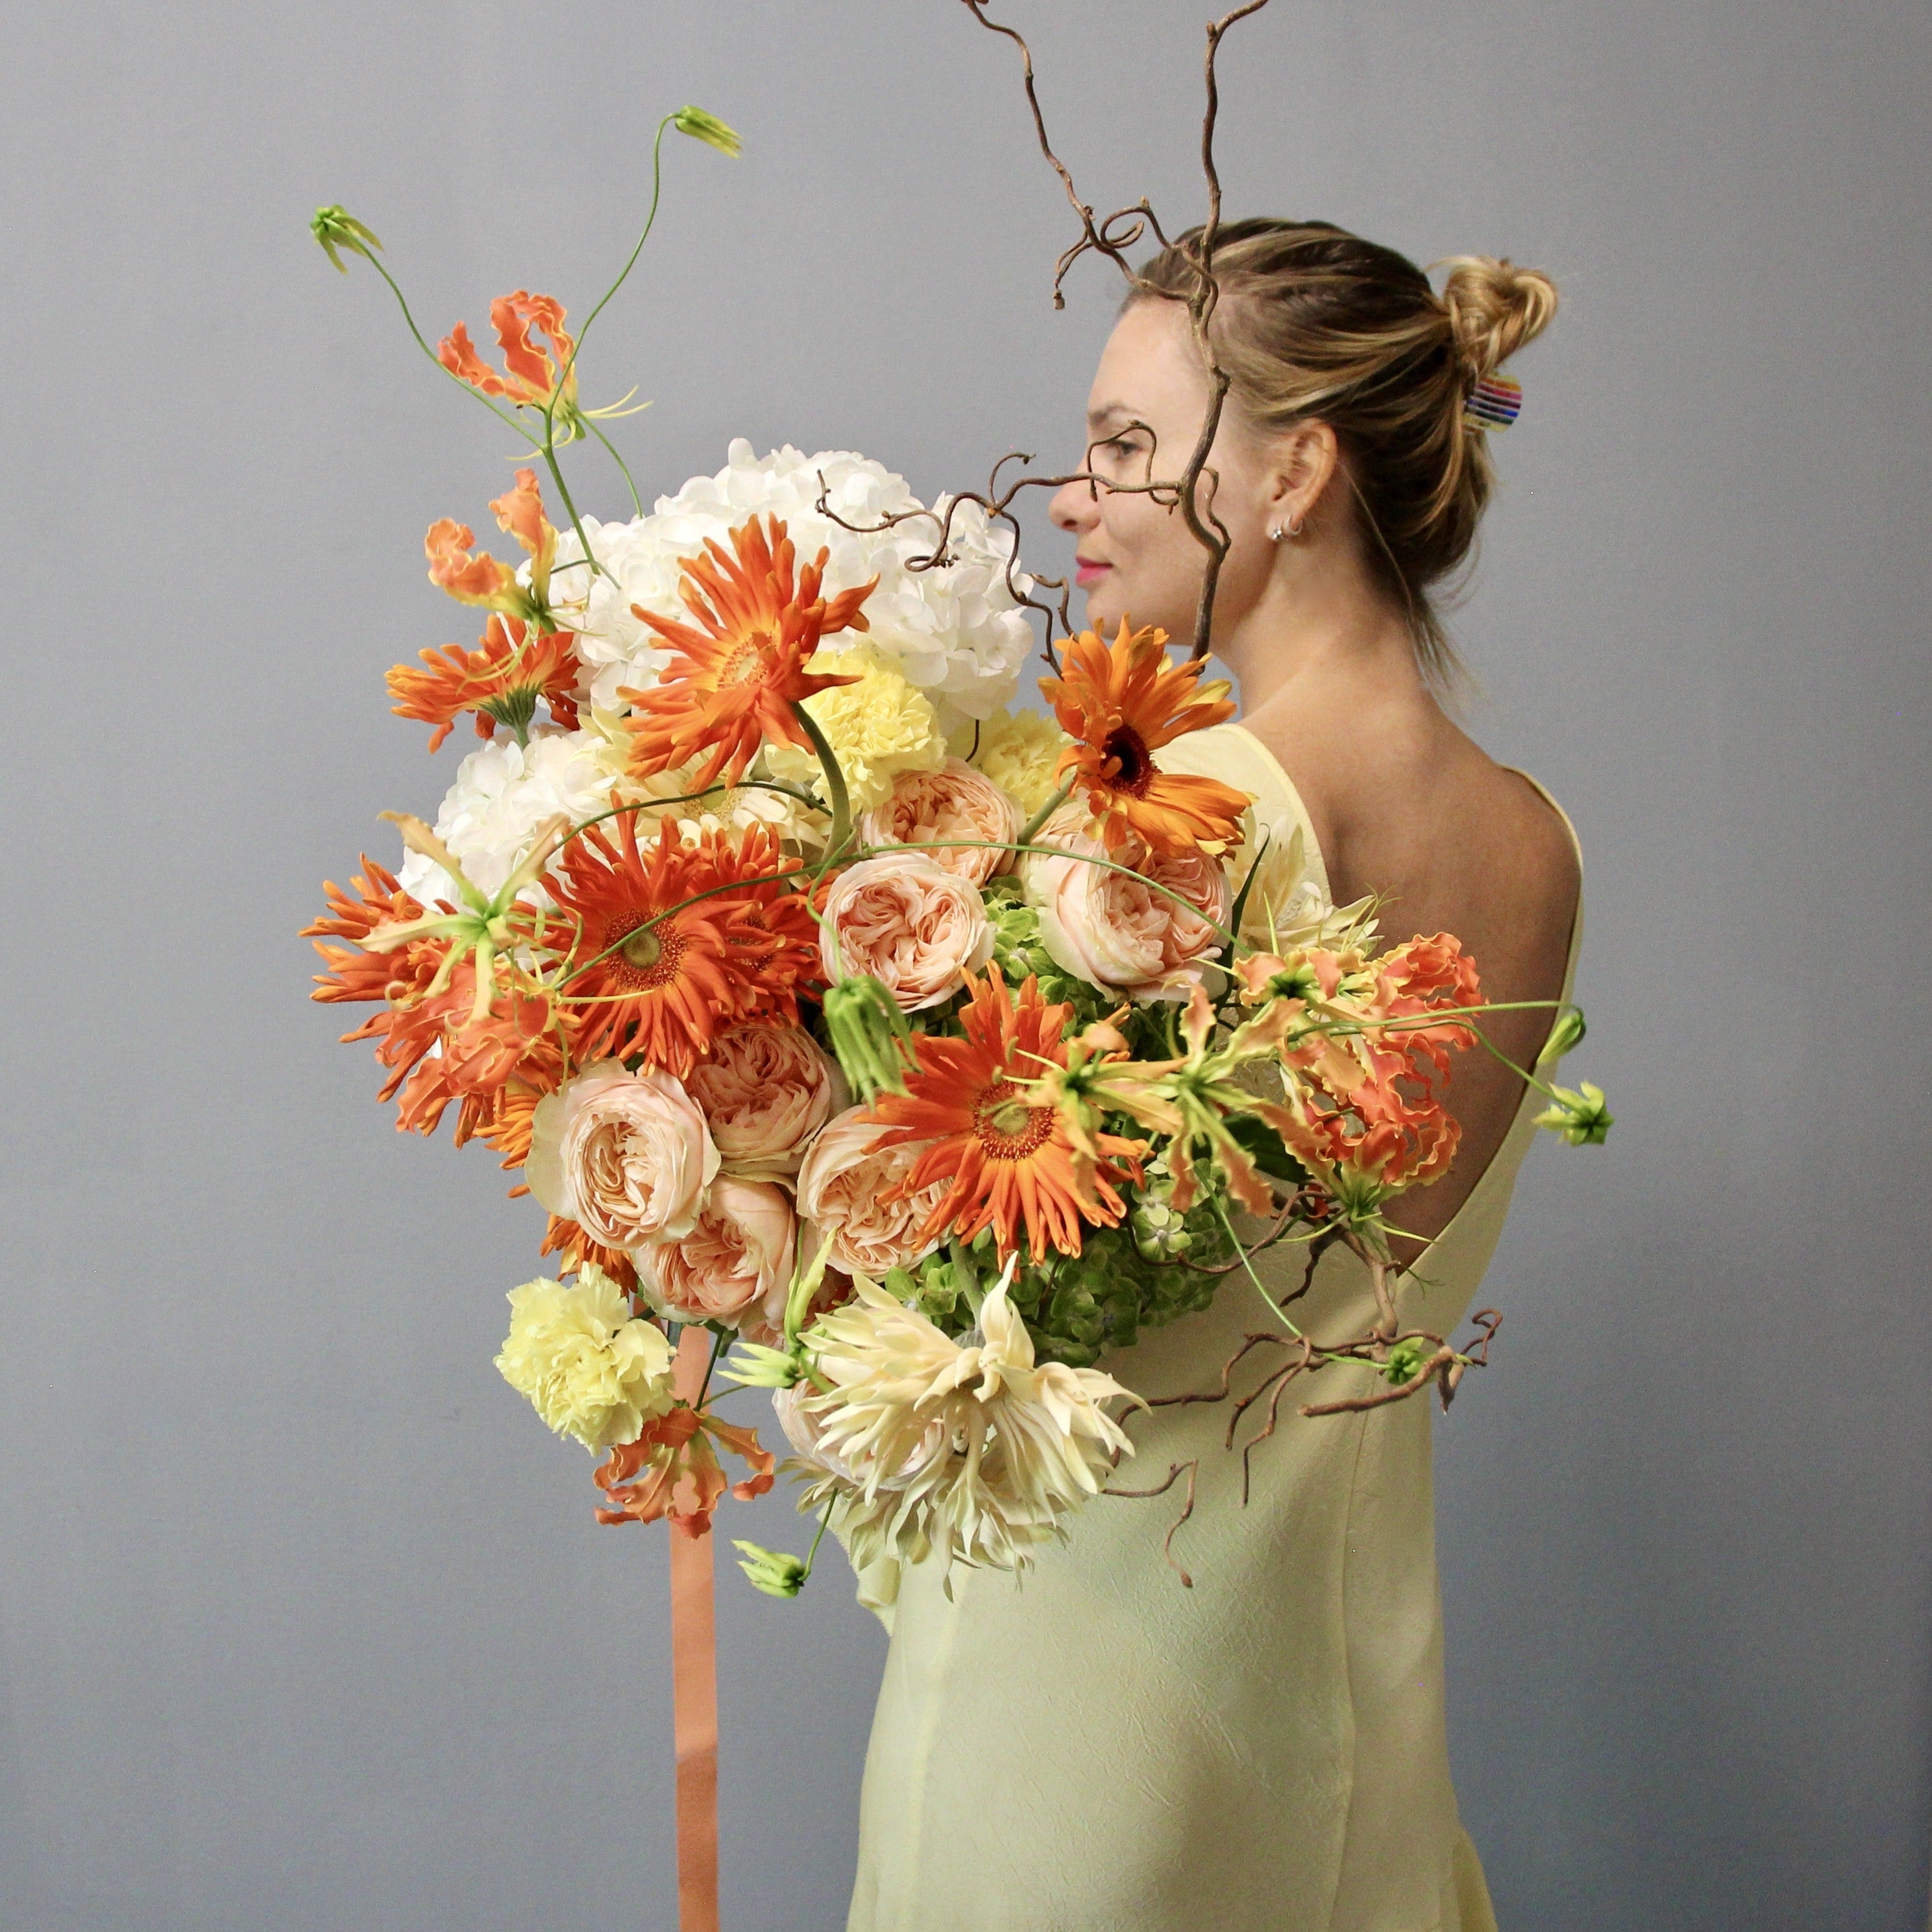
(1494,308)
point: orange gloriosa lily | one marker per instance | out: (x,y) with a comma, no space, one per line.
(1009,1159)
(737,674)
(672,1470)
(439,1047)
(531,374)
(1120,703)
(485,580)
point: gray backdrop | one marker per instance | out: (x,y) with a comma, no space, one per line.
(304,1620)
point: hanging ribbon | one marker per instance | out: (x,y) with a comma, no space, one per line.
(694,1652)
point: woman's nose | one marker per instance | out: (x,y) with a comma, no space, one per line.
(1074,508)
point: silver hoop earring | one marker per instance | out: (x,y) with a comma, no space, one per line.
(1293,530)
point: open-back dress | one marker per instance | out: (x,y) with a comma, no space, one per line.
(1093,1747)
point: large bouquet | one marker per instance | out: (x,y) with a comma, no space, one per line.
(924,1049)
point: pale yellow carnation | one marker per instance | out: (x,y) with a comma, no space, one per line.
(876,728)
(590,1368)
(1019,752)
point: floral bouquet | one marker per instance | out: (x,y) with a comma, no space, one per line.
(924,1049)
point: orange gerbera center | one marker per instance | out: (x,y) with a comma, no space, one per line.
(1128,765)
(1008,1129)
(649,956)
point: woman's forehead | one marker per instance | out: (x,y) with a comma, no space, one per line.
(1147,367)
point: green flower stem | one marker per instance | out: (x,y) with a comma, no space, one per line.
(658,918)
(1274,1308)
(563,493)
(1046,812)
(690,798)
(1059,852)
(717,1341)
(630,483)
(835,785)
(812,1554)
(969,1276)
(502,416)
(657,187)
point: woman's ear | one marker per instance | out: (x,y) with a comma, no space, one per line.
(1305,460)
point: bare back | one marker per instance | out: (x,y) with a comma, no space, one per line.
(1405,806)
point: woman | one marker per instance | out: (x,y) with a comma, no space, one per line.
(1096,1748)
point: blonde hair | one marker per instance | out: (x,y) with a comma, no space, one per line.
(1313,323)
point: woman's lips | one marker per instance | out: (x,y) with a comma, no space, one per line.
(1089,574)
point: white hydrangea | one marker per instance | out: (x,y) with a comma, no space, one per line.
(503,793)
(956,631)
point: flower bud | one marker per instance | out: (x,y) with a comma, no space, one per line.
(869,1034)
(708,129)
(774,1571)
(752,1365)
(1565,1035)
(1581,1117)
(334,227)
(1405,1359)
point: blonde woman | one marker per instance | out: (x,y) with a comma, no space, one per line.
(1096,1748)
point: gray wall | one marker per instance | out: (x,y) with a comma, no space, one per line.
(304,1622)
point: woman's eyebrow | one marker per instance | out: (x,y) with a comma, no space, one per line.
(1095,417)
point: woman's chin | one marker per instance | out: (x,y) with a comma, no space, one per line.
(1104,607)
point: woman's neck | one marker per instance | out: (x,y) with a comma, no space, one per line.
(1320,633)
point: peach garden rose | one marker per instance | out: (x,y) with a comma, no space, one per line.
(916,929)
(766,1090)
(739,1253)
(626,1155)
(848,1195)
(1115,929)
(957,802)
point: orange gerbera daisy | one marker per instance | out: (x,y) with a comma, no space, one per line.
(500,681)
(1009,1161)
(568,1241)
(662,983)
(733,682)
(530,374)
(1120,703)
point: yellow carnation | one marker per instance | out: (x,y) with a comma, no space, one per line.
(1019,753)
(876,728)
(592,1370)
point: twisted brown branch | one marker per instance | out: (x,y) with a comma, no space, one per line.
(1112,236)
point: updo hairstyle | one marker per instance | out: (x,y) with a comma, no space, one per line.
(1313,323)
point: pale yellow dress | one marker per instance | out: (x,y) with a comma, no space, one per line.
(1095,1748)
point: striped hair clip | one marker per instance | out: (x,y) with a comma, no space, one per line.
(1494,403)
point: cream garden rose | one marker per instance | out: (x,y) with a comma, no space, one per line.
(916,929)
(1119,930)
(591,1368)
(626,1155)
(848,1195)
(766,1090)
(956,802)
(738,1254)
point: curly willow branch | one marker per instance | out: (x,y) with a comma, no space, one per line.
(1112,236)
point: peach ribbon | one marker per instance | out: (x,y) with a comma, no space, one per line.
(694,1653)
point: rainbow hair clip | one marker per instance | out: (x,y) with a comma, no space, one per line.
(1496,402)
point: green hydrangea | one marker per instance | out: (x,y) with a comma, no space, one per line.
(1077,1307)
(1019,953)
